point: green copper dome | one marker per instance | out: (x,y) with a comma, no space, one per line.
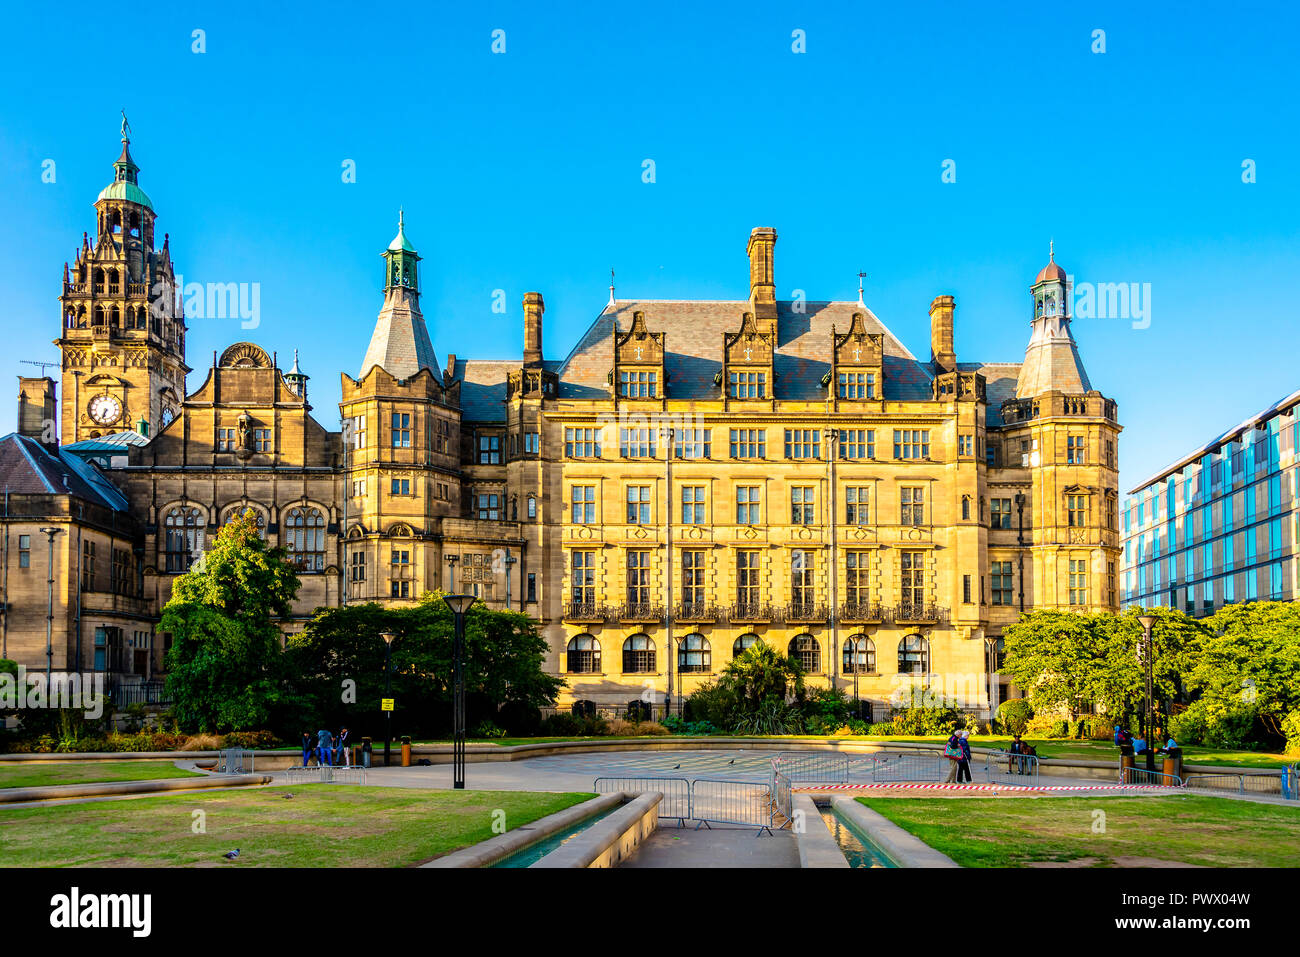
(400,242)
(124,190)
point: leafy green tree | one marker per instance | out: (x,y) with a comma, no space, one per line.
(224,667)
(1251,660)
(761,673)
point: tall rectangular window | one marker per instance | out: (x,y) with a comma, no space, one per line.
(1078,581)
(489,449)
(748,444)
(856,577)
(637,385)
(401,486)
(261,440)
(911,443)
(532,587)
(747,504)
(747,385)
(965,445)
(399,573)
(911,506)
(747,582)
(1075,452)
(357,423)
(857,510)
(693,580)
(1077,509)
(694,443)
(358,566)
(638,505)
(912,577)
(693,512)
(638,577)
(803,443)
(858,444)
(584,504)
(802,505)
(226,440)
(582,577)
(87,565)
(401,430)
(582,443)
(24,551)
(1000,580)
(1000,513)
(802,588)
(489,507)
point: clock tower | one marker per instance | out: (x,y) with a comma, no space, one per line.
(123,329)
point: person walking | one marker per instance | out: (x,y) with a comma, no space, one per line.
(306,748)
(323,739)
(952,751)
(963,763)
(341,756)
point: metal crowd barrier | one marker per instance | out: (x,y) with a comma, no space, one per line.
(676,804)
(234,761)
(782,797)
(746,803)
(327,774)
(908,766)
(1236,782)
(1291,783)
(813,768)
(1143,776)
(1003,767)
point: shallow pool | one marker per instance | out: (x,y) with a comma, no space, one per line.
(529,854)
(857,847)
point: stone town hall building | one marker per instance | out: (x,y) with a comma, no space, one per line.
(691,476)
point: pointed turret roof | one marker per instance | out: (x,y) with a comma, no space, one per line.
(400,342)
(126,180)
(1052,362)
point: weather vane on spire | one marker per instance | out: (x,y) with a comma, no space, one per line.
(611,285)
(861,276)
(126,129)
(1051,250)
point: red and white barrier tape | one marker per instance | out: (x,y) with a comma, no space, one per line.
(906,786)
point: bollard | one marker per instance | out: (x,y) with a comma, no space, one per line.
(1174,763)
(406,751)
(1126,766)
(365,752)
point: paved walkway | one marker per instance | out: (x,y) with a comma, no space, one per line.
(671,846)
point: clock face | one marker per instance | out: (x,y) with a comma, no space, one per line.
(105,409)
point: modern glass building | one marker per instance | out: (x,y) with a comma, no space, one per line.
(1221,524)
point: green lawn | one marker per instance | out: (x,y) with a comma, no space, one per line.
(321,826)
(40,773)
(1016,832)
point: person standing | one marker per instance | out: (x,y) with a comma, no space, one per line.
(963,763)
(323,739)
(306,748)
(952,751)
(341,757)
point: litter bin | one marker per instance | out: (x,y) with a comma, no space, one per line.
(406,751)
(1174,764)
(365,752)
(1126,764)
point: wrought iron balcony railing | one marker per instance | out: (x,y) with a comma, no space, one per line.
(806,611)
(584,611)
(861,611)
(755,611)
(699,611)
(639,611)
(918,614)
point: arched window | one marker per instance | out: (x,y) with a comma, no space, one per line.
(913,655)
(584,655)
(859,655)
(305,538)
(806,650)
(638,655)
(183,539)
(532,506)
(694,655)
(99,315)
(965,508)
(742,644)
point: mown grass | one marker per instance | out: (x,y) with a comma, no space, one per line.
(321,826)
(1023,831)
(37,774)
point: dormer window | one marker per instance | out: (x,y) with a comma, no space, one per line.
(747,385)
(638,385)
(857,385)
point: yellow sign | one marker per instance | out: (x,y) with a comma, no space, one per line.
(385,704)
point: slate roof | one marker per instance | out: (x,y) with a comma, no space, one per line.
(27,467)
(1000,380)
(400,342)
(693,340)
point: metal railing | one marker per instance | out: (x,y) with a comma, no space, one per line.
(918,613)
(1235,782)
(325,774)
(782,798)
(639,611)
(861,611)
(809,611)
(699,611)
(743,803)
(1154,778)
(1291,782)
(1003,767)
(812,768)
(755,611)
(584,611)
(675,806)
(915,765)
(234,761)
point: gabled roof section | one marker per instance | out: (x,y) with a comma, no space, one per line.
(694,331)
(27,467)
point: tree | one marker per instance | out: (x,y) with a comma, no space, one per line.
(224,667)
(761,673)
(1251,661)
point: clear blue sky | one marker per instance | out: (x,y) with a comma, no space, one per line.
(522,171)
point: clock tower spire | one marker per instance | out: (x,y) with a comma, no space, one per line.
(122,336)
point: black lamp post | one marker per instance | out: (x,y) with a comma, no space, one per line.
(49,612)
(1147,621)
(509,561)
(451,572)
(1020,541)
(458,604)
(388,637)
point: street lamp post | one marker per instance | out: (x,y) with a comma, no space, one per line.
(509,561)
(388,637)
(49,610)
(458,605)
(451,572)
(1147,621)
(1020,541)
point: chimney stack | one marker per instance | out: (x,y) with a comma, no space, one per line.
(762,281)
(534,307)
(942,355)
(38,410)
